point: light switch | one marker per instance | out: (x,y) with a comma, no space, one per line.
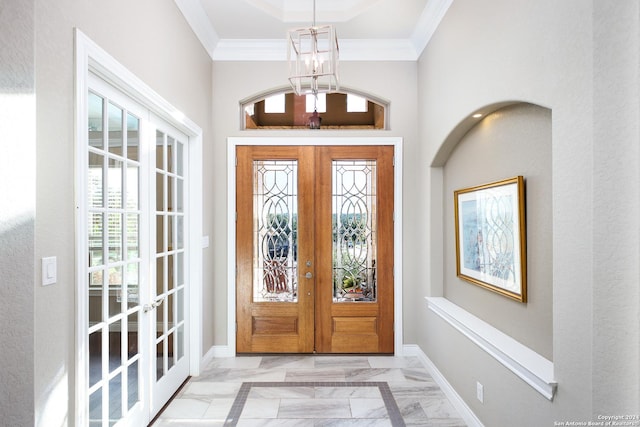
(49,271)
(205,242)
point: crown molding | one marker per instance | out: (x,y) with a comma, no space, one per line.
(196,17)
(350,49)
(429,20)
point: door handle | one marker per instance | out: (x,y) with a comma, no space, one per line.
(148,307)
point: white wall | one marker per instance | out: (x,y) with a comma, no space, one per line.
(17,211)
(151,39)
(580,59)
(234,81)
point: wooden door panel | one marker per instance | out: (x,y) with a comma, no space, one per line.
(355,327)
(316,322)
(271,326)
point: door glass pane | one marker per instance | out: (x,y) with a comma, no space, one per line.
(170,311)
(114,183)
(95,180)
(132,384)
(179,158)
(133,282)
(354,230)
(132,187)
(180,269)
(133,237)
(170,273)
(180,343)
(159,233)
(95,357)
(170,345)
(159,150)
(160,317)
(275,230)
(95,296)
(170,193)
(159,276)
(179,308)
(95,408)
(115,345)
(115,237)
(95,121)
(159,191)
(179,195)
(179,234)
(115,130)
(171,158)
(115,399)
(96,239)
(115,291)
(159,360)
(170,219)
(133,137)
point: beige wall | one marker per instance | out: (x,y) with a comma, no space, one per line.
(151,39)
(17,210)
(515,140)
(578,58)
(235,81)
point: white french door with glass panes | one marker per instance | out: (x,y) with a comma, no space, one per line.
(169,255)
(135,224)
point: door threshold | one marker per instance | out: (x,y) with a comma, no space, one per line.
(166,405)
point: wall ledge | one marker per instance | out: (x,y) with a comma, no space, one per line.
(530,366)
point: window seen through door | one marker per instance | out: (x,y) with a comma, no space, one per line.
(285,110)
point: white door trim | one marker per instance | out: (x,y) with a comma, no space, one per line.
(91,58)
(232,143)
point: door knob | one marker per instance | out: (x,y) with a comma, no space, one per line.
(148,307)
(308,275)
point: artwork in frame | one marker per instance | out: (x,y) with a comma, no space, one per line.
(491,237)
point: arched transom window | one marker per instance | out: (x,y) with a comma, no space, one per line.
(339,110)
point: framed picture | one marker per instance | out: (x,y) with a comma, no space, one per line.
(491,237)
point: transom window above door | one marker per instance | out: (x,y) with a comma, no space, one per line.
(339,110)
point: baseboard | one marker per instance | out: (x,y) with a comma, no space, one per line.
(217,351)
(463,409)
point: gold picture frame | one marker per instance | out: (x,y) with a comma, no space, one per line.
(491,244)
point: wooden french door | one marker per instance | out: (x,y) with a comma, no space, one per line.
(314,249)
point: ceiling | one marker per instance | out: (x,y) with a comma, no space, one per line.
(379,30)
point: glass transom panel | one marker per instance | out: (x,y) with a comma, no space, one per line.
(275,230)
(354,230)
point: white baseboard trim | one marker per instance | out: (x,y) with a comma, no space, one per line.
(465,412)
(217,351)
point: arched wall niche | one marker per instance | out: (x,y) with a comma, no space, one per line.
(511,138)
(296,115)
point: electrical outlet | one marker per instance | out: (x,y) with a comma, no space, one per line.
(480,391)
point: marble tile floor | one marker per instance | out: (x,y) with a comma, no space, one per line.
(311,391)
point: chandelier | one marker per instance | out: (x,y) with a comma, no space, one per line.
(312,54)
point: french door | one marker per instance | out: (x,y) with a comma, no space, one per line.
(314,249)
(135,226)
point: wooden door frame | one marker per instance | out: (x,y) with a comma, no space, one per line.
(232,143)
